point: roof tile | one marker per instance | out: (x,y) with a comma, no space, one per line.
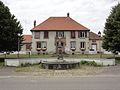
(60,23)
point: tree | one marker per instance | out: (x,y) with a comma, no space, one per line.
(111,38)
(9,30)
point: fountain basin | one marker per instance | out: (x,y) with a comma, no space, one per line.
(60,65)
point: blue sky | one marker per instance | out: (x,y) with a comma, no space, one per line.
(90,13)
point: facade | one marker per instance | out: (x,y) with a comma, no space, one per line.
(64,33)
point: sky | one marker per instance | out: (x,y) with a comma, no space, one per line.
(90,13)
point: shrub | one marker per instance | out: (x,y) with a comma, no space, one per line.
(90,63)
(93,63)
(25,65)
(2,59)
(84,62)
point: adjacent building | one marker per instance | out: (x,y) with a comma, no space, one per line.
(26,44)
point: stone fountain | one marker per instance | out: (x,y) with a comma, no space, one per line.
(60,63)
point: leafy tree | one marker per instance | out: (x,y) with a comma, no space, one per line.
(111,38)
(10,29)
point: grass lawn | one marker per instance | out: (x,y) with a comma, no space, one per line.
(36,70)
(25,56)
(1,64)
(55,56)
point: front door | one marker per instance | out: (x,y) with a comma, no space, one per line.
(60,47)
(94,46)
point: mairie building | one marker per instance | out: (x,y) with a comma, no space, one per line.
(65,33)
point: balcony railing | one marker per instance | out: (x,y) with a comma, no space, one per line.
(60,39)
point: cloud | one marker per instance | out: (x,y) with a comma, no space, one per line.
(90,13)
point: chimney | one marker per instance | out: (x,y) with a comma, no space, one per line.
(68,15)
(34,23)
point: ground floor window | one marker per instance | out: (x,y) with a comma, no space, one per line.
(28,46)
(94,47)
(72,44)
(42,44)
(38,44)
(82,45)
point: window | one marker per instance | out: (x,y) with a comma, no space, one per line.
(28,46)
(44,44)
(82,34)
(37,35)
(60,34)
(38,44)
(72,34)
(82,45)
(46,34)
(72,44)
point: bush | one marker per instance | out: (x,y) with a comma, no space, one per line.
(25,65)
(117,58)
(90,63)
(93,63)
(2,59)
(84,62)
(28,64)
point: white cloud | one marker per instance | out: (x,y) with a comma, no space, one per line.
(90,13)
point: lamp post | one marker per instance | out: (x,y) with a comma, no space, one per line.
(99,34)
(18,44)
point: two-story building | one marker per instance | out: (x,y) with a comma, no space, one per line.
(61,32)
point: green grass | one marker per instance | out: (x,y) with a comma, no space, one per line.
(55,56)
(1,64)
(36,70)
(25,56)
(29,68)
(117,60)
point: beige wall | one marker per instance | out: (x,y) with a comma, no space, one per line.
(51,48)
(23,47)
(50,42)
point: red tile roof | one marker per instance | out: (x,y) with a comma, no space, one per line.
(94,36)
(60,23)
(27,38)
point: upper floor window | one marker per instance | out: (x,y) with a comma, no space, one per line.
(46,34)
(60,34)
(72,44)
(82,34)
(37,35)
(72,34)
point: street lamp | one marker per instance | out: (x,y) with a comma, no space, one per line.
(99,34)
(18,43)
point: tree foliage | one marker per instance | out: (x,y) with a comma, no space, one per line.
(111,38)
(10,27)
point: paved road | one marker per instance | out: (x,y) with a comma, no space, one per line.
(107,80)
(81,83)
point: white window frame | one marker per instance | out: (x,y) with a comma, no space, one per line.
(60,34)
(44,44)
(73,44)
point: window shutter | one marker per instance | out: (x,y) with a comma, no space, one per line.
(78,34)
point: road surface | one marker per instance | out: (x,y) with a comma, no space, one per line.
(60,83)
